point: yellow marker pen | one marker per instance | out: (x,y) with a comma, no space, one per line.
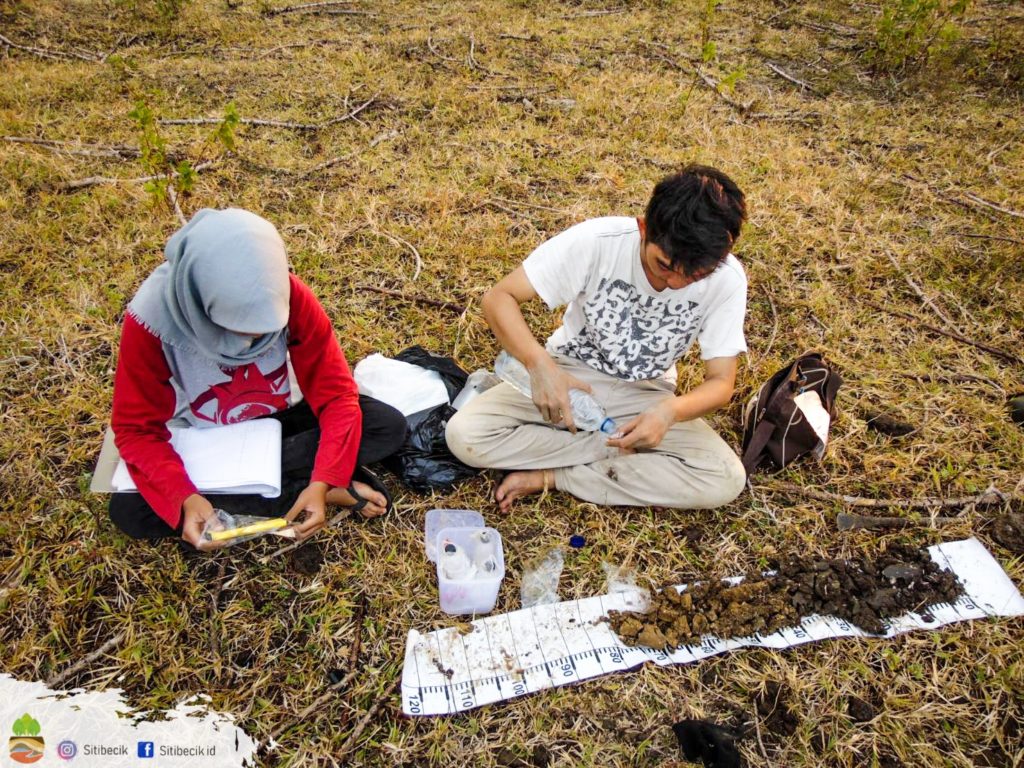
(261,527)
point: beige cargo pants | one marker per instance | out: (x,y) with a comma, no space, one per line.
(692,468)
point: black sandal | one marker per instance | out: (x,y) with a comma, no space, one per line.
(364,475)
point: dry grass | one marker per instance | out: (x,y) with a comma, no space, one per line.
(493,126)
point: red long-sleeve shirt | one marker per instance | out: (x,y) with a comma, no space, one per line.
(144,401)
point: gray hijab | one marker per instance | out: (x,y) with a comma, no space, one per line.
(226,275)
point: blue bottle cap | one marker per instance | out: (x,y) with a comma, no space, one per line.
(576,541)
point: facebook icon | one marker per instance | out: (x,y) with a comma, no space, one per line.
(145,749)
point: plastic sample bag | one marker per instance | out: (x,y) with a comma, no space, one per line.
(225,530)
(540,579)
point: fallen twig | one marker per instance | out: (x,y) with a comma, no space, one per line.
(920,293)
(951,334)
(353,669)
(353,738)
(306,7)
(173,197)
(592,14)
(399,241)
(786,76)
(332,523)
(971,198)
(48,53)
(846,521)
(75,668)
(990,496)
(989,237)
(214,632)
(989,204)
(271,123)
(92,181)
(705,78)
(87,150)
(956,378)
(357,644)
(458,309)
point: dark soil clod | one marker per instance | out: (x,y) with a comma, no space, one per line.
(1008,530)
(308,558)
(860,711)
(886,424)
(861,591)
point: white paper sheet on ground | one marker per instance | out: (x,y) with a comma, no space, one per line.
(502,657)
(404,386)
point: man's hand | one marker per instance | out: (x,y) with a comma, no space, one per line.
(312,501)
(196,511)
(550,388)
(648,429)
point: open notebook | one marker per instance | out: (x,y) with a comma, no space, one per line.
(237,458)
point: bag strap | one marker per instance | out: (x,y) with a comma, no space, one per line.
(752,456)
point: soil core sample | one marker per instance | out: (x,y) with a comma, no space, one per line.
(862,591)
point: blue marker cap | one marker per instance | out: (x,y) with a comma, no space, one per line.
(576,541)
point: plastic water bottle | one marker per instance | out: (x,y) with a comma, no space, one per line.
(455,565)
(484,553)
(587,413)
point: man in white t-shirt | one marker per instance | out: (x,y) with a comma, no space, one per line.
(639,291)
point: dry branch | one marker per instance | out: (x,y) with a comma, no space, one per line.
(271,123)
(920,293)
(399,242)
(458,309)
(353,669)
(972,200)
(786,76)
(86,150)
(48,53)
(592,14)
(990,496)
(75,668)
(353,738)
(699,72)
(92,181)
(951,334)
(307,7)
(990,237)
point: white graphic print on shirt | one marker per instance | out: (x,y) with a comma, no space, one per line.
(632,336)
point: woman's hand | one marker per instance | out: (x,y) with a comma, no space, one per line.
(312,501)
(196,511)
(648,429)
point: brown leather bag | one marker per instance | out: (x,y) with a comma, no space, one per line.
(776,426)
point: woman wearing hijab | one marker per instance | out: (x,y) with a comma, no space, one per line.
(209,340)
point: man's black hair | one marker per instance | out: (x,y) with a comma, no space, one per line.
(695,216)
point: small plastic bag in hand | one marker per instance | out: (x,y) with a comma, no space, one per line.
(224,529)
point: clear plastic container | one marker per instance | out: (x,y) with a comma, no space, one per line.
(477,560)
(447,518)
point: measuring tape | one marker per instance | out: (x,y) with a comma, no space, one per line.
(510,655)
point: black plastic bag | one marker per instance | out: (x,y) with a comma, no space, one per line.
(424,462)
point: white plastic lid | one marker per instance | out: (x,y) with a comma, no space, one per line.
(447,518)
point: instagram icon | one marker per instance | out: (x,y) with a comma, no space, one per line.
(67,749)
